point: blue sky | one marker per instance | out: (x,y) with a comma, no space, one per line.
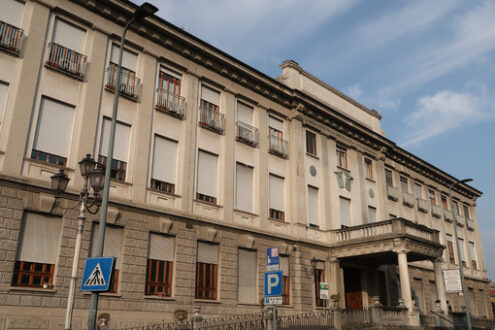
(427,66)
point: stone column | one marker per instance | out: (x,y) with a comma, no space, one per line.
(437,267)
(405,285)
(334,279)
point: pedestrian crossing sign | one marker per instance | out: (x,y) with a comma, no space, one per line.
(97,274)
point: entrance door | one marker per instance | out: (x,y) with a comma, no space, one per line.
(353,292)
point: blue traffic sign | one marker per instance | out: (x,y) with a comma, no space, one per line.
(272,256)
(97,274)
(273,284)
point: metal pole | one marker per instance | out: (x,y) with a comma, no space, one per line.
(75,265)
(461,271)
(93,304)
(274,317)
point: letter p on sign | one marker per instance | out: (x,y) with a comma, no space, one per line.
(273,283)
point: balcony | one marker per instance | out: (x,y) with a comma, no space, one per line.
(423,205)
(170,103)
(67,61)
(246,134)
(392,193)
(436,211)
(211,119)
(448,215)
(11,38)
(278,146)
(470,224)
(407,199)
(130,85)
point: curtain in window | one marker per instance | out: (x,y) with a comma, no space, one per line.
(40,239)
(161,247)
(244,188)
(207,174)
(164,159)
(247,272)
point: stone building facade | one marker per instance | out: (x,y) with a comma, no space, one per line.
(215,162)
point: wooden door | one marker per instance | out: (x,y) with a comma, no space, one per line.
(353,291)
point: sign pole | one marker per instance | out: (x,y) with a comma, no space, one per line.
(274,317)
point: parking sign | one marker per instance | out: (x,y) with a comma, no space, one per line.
(273,284)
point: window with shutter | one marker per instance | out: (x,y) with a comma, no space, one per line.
(371,214)
(450,246)
(160,265)
(164,164)
(418,190)
(276,196)
(11,12)
(284,267)
(53,132)
(342,158)
(389,178)
(311,143)
(207,271)
(120,151)
(244,188)
(4,89)
(313,207)
(37,253)
(463,251)
(247,273)
(111,248)
(345,211)
(368,167)
(472,255)
(404,185)
(206,189)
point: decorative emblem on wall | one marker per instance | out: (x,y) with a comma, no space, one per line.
(372,193)
(312,170)
(344,182)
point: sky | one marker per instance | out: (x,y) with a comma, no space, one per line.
(428,67)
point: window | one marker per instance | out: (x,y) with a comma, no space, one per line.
(371,214)
(53,132)
(431,197)
(11,36)
(37,253)
(129,84)
(244,187)
(276,143)
(389,178)
(244,113)
(168,93)
(445,204)
(404,186)
(319,275)
(207,271)
(120,149)
(276,191)
(206,189)
(4,89)
(284,267)
(210,115)
(456,207)
(66,49)
(247,273)
(129,59)
(164,165)
(313,207)
(245,132)
(342,157)
(368,168)
(466,211)
(450,247)
(111,248)
(160,266)
(472,255)
(345,211)
(311,143)
(463,252)
(418,190)
(11,12)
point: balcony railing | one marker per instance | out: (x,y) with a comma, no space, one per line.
(67,60)
(407,199)
(423,205)
(448,215)
(11,38)
(130,85)
(278,146)
(392,193)
(169,102)
(211,119)
(246,133)
(436,211)
(470,224)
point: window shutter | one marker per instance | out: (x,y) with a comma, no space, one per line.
(275,123)
(161,247)
(171,73)
(244,188)
(207,253)
(461,245)
(54,129)
(11,12)
(276,187)
(244,113)
(472,251)
(418,191)
(345,211)
(247,272)
(4,89)
(207,174)
(113,239)
(313,207)
(284,265)
(210,95)
(69,36)
(40,239)
(121,145)
(129,60)
(164,160)
(371,214)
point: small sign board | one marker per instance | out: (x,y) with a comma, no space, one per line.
(97,274)
(452,280)
(273,300)
(324,291)
(273,284)
(272,259)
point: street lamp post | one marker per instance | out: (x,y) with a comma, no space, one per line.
(93,177)
(146,9)
(461,271)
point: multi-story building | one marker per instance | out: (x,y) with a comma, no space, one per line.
(214,162)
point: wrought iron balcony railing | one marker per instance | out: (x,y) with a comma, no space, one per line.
(246,133)
(130,85)
(11,38)
(169,102)
(67,60)
(278,146)
(212,119)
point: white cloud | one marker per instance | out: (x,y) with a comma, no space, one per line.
(442,112)
(354,91)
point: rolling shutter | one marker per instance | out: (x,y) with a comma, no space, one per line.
(345,211)
(11,12)
(4,88)
(276,190)
(247,276)
(40,239)
(161,247)
(244,113)
(207,174)
(68,36)
(113,239)
(313,207)
(244,188)
(129,60)
(164,159)
(275,123)
(371,214)
(209,95)
(284,265)
(121,145)
(208,253)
